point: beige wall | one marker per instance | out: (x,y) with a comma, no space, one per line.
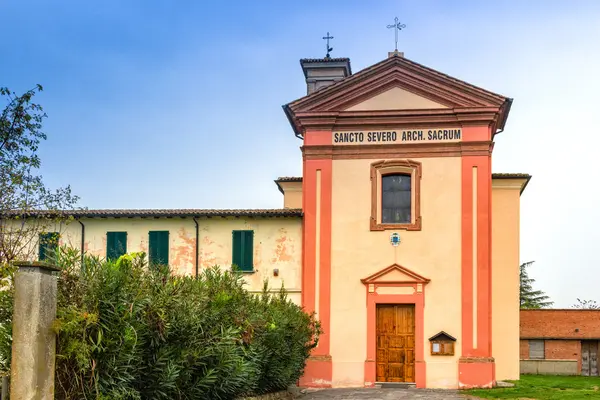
(505,277)
(277,244)
(434,252)
(292,194)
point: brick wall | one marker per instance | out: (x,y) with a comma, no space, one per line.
(564,350)
(556,350)
(560,324)
(524,349)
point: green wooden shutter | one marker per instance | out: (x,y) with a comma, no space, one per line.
(48,244)
(248,241)
(242,250)
(116,244)
(236,258)
(159,247)
(152,246)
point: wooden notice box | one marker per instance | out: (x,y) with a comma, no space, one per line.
(442,344)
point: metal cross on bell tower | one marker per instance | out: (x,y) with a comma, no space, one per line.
(397,26)
(328,48)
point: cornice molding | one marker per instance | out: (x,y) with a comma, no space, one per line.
(401,150)
(340,120)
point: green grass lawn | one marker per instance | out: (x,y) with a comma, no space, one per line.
(545,387)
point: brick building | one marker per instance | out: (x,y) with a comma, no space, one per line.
(562,342)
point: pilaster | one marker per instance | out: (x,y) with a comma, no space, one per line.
(316,265)
(476,366)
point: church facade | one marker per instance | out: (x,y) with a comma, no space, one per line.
(397,234)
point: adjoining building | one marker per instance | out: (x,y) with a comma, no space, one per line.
(397,235)
(560,342)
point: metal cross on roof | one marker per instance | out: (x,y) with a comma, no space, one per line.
(328,48)
(397,26)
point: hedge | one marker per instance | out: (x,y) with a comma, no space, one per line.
(128,331)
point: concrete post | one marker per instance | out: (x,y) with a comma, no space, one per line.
(34,341)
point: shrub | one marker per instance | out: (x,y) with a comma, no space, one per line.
(126,331)
(7,272)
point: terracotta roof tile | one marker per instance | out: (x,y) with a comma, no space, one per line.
(325,59)
(171,213)
(510,175)
(289,179)
(513,175)
(286,179)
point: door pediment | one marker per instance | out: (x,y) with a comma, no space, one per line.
(395,273)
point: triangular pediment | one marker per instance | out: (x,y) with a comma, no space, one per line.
(395,274)
(399,84)
(395,98)
(442,337)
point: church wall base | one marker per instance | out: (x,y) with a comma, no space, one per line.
(476,372)
(318,372)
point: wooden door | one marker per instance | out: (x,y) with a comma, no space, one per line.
(396,343)
(589,358)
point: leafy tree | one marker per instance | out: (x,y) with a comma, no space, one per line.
(587,304)
(529,297)
(23,192)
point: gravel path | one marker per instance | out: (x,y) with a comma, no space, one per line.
(383,394)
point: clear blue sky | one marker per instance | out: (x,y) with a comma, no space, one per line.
(163,104)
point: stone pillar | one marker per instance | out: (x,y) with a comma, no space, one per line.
(34,341)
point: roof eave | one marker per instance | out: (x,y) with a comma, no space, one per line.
(279,186)
(504,114)
(292,120)
(525,185)
(525,177)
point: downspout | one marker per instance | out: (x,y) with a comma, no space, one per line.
(197,249)
(82,241)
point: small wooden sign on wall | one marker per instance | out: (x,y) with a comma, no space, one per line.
(442,344)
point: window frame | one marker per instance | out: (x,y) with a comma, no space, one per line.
(243,247)
(396,167)
(543,343)
(152,262)
(43,241)
(108,243)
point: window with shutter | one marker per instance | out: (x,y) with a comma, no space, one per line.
(158,251)
(243,250)
(48,244)
(536,350)
(116,244)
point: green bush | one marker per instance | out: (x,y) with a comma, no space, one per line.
(126,331)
